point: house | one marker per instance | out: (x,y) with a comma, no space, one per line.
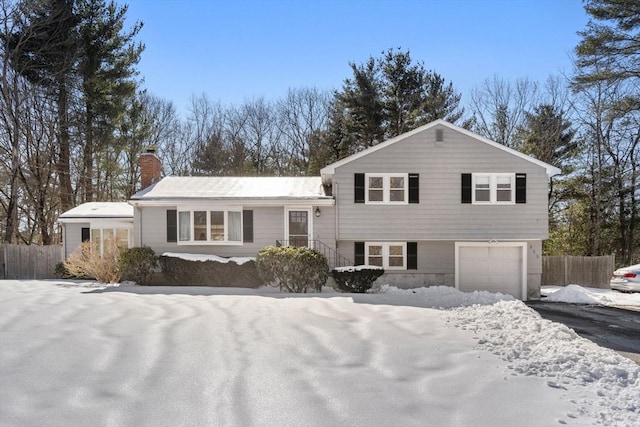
(435,206)
(96,221)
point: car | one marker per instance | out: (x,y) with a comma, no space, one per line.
(626,279)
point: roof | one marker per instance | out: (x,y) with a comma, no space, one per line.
(113,210)
(330,169)
(234,188)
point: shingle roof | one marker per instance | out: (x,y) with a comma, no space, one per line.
(233,188)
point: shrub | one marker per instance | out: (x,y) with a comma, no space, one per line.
(87,262)
(356,279)
(137,264)
(293,269)
(61,272)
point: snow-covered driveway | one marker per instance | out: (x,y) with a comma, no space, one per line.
(75,355)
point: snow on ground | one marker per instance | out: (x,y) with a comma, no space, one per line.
(72,353)
(208,257)
(576,294)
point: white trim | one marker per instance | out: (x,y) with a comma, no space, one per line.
(87,219)
(493,188)
(169,202)
(329,170)
(385,254)
(310,215)
(494,243)
(386,188)
(208,208)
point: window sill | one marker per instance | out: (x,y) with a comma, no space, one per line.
(208,243)
(493,203)
(385,203)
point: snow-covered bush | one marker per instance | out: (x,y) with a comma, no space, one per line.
(137,264)
(293,269)
(88,262)
(356,279)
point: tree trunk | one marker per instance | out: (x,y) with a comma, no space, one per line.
(64,169)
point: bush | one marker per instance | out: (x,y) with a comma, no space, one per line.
(61,272)
(137,264)
(292,269)
(356,279)
(87,262)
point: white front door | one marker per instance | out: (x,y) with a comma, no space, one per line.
(298,226)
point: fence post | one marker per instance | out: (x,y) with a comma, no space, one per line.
(4,261)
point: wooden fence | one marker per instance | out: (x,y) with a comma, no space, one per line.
(29,262)
(594,272)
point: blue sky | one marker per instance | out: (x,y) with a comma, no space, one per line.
(237,50)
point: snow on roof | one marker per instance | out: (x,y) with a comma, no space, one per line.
(99,210)
(199,187)
(330,169)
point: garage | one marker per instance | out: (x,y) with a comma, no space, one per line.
(493,267)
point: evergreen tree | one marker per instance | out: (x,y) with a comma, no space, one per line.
(106,67)
(44,50)
(610,45)
(362,102)
(548,136)
(386,97)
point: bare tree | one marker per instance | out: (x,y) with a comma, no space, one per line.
(302,114)
(499,108)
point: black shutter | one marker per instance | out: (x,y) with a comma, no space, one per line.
(414,188)
(358,187)
(412,255)
(521,188)
(86,236)
(247,226)
(358,253)
(466,188)
(172,226)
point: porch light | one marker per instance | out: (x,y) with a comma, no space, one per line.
(317,212)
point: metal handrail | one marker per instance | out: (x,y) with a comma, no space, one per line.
(335,259)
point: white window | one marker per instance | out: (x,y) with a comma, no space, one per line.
(102,236)
(386,188)
(390,256)
(202,226)
(492,189)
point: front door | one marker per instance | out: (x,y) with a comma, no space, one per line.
(299,227)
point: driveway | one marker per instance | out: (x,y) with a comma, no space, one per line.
(609,327)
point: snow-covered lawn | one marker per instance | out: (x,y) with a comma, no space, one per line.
(76,354)
(584,295)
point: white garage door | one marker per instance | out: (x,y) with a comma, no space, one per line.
(490,268)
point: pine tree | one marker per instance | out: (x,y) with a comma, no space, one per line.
(610,45)
(388,96)
(45,50)
(106,67)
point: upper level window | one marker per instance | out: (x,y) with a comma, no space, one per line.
(497,188)
(386,188)
(209,226)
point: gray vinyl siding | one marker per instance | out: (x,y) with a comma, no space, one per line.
(436,265)
(433,257)
(73,236)
(440,215)
(268,227)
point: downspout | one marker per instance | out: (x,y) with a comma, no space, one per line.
(335,198)
(139,210)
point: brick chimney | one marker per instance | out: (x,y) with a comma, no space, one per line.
(150,167)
